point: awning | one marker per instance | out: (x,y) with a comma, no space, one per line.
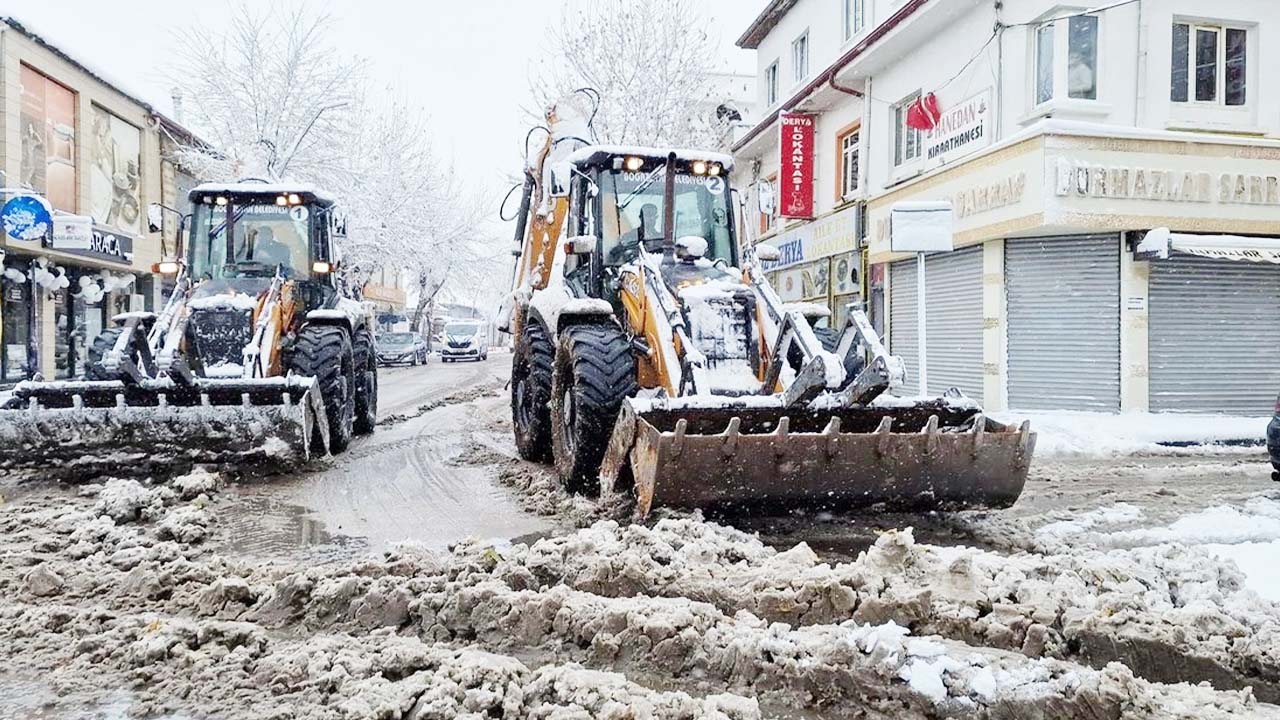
(1159,242)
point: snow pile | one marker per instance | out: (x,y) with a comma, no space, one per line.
(1086,605)
(129,501)
(195,483)
(1249,536)
(692,606)
(1086,434)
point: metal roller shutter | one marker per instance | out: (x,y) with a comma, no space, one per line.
(1063,323)
(903,338)
(954,297)
(1214,329)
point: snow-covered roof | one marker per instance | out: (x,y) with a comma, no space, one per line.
(260,188)
(596,152)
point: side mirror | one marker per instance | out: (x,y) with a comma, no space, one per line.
(768,253)
(561,173)
(581,245)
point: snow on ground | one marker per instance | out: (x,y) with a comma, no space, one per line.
(684,619)
(1068,433)
(1247,535)
(1259,563)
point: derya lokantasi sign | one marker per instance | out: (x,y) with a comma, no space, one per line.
(795,178)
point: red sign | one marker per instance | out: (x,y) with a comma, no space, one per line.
(795,180)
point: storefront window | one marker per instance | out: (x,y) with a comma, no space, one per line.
(15,327)
(47,125)
(77,324)
(63,361)
(114,181)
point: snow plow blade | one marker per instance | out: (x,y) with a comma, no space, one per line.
(926,456)
(97,427)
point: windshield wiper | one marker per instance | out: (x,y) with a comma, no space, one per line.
(643,186)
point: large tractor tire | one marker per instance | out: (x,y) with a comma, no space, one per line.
(102,344)
(594,372)
(366,361)
(324,352)
(531,392)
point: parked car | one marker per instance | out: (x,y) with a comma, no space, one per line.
(465,340)
(1273,442)
(402,348)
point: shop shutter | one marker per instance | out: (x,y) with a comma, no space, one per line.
(1063,323)
(954,297)
(902,320)
(1214,331)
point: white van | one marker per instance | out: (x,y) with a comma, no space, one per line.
(465,340)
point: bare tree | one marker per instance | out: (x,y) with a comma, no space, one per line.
(272,95)
(650,60)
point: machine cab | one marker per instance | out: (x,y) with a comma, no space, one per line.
(620,197)
(243,234)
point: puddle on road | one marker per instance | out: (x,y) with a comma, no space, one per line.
(23,699)
(263,527)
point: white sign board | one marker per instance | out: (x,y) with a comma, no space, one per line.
(961,129)
(917,227)
(72,232)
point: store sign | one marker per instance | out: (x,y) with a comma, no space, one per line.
(961,130)
(102,244)
(796,178)
(72,232)
(834,234)
(1091,180)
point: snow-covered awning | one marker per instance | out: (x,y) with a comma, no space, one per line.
(1159,242)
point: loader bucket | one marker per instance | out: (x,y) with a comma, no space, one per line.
(924,456)
(86,428)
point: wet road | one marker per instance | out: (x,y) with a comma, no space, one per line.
(406,482)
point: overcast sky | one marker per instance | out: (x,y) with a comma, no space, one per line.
(467,62)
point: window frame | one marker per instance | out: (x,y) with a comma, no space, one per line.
(1220,30)
(800,56)
(765,222)
(898,113)
(843,193)
(771,85)
(853,18)
(1059,28)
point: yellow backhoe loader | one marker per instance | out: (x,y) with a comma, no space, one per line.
(653,358)
(257,358)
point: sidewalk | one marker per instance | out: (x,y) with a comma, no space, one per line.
(1102,434)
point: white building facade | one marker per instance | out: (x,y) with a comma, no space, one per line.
(1064,138)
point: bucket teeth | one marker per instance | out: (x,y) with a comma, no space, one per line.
(920,456)
(780,436)
(832,433)
(677,443)
(729,444)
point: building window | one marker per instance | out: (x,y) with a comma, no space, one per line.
(771,85)
(767,218)
(1076,40)
(800,56)
(854,17)
(1208,64)
(1044,63)
(906,140)
(47,125)
(849,143)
